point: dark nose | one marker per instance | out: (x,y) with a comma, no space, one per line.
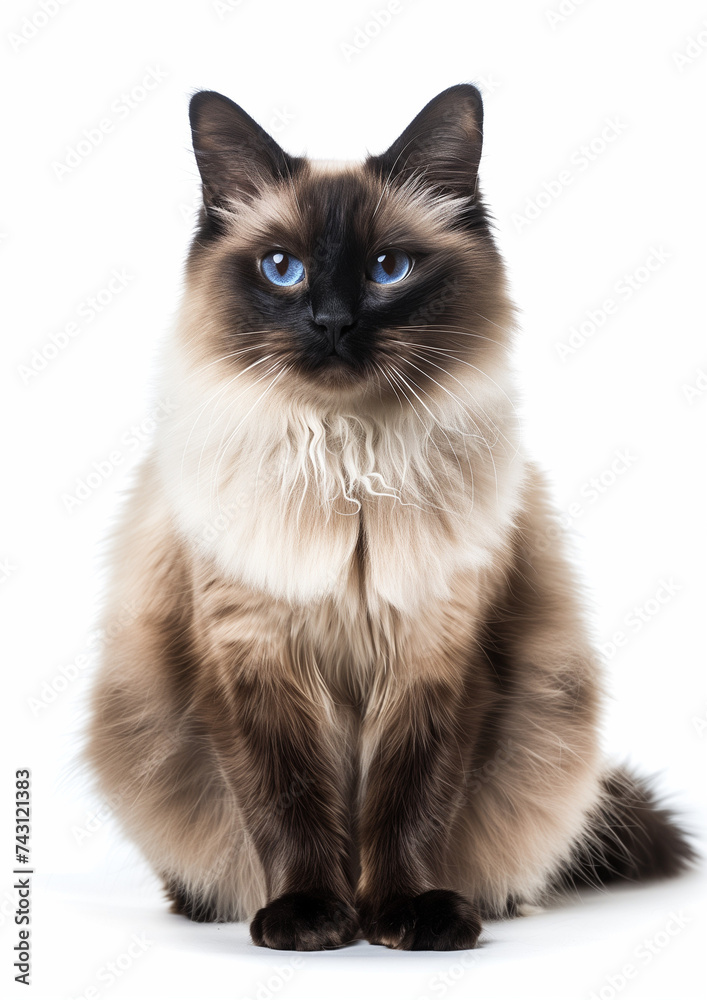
(335,324)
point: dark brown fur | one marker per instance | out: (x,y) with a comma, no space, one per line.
(365,700)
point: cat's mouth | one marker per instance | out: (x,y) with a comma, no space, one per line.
(334,358)
(335,367)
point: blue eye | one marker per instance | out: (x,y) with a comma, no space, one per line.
(389,266)
(282,268)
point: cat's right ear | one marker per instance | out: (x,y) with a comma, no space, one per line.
(442,145)
(235,156)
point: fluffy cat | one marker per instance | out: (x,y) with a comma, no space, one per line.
(354,691)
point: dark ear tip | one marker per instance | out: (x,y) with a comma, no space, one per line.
(469,90)
(201,99)
(462,93)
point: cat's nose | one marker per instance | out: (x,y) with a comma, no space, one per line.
(335,324)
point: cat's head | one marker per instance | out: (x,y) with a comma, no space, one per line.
(374,282)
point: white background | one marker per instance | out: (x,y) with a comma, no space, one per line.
(636,386)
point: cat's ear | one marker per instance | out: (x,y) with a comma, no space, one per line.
(442,144)
(235,156)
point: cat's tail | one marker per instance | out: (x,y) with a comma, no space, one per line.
(630,836)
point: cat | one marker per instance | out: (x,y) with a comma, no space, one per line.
(354,694)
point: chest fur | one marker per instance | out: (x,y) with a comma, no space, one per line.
(343,508)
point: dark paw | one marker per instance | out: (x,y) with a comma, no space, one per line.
(300,921)
(190,905)
(438,920)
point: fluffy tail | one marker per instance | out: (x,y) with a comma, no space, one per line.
(630,836)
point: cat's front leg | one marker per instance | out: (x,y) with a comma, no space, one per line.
(416,740)
(275,740)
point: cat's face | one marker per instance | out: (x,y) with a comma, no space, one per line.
(378,280)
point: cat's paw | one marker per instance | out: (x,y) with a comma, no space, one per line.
(303,921)
(438,920)
(189,904)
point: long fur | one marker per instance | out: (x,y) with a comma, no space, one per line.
(357,689)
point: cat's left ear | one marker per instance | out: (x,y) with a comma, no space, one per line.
(235,156)
(442,144)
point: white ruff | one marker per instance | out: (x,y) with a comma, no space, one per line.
(286,498)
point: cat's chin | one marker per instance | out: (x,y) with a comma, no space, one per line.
(338,374)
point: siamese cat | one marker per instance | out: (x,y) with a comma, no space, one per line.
(355,693)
